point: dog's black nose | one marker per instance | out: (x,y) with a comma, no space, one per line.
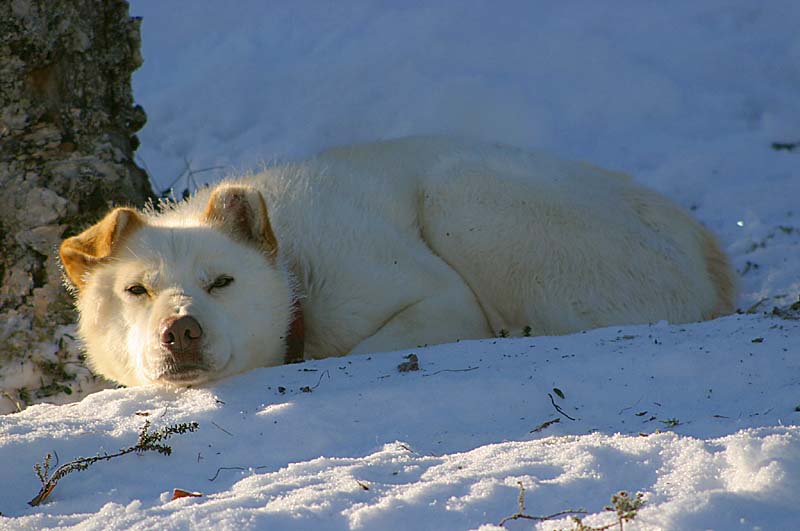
(181,335)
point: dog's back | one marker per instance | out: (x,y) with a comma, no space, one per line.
(553,245)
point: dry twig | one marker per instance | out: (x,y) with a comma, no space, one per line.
(520,514)
(544,425)
(558,408)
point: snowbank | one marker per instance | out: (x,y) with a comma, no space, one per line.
(693,417)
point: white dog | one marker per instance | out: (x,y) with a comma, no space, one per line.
(381,247)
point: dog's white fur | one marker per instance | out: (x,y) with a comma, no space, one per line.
(390,245)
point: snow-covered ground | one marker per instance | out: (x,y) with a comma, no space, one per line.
(702,419)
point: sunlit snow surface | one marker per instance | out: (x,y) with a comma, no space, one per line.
(687,96)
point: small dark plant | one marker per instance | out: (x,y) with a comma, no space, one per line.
(148,441)
(622,504)
(625,506)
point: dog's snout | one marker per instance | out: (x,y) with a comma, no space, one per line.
(181,334)
(182,357)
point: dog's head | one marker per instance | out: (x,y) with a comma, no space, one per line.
(181,298)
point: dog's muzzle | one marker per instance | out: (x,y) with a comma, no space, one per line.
(181,340)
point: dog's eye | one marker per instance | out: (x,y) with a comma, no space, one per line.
(220,282)
(136,290)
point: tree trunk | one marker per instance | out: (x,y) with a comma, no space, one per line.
(67,124)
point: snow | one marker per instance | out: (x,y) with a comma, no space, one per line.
(700,418)
(444,447)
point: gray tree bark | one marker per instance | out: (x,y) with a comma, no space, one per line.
(67,124)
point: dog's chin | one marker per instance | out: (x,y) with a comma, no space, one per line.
(184,376)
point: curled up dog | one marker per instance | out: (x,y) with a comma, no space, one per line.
(384,246)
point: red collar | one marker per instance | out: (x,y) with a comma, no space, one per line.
(295,338)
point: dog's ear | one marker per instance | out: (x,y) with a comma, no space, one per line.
(79,254)
(241,212)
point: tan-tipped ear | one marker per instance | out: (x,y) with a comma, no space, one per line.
(241,212)
(79,254)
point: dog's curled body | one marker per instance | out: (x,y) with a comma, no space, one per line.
(387,245)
